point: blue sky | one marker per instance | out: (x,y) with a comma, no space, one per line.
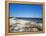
(25,10)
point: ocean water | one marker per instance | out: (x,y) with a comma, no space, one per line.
(38,20)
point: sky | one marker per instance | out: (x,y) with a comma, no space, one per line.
(25,10)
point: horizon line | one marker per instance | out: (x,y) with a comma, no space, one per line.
(30,17)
